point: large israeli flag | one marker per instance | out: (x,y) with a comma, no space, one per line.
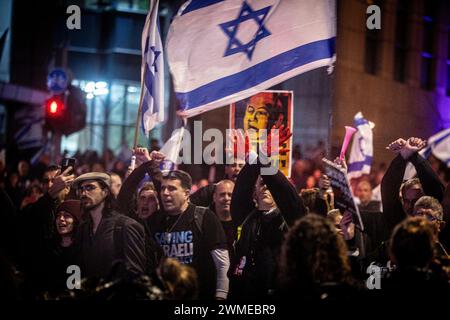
(361,154)
(222,51)
(152,72)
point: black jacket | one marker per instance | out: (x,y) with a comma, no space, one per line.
(35,228)
(126,204)
(117,238)
(261,233)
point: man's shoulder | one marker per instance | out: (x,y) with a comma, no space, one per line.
(200,210)
(125,221)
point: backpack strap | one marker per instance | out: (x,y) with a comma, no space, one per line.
(199,214)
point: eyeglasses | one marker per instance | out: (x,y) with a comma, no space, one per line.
(88,188)
(427,216)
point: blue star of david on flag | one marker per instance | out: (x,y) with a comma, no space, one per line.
(156,53)
(152,72)
(223,51)
(231,28)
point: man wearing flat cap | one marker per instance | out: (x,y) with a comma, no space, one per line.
(105,236)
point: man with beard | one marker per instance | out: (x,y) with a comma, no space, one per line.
(105,236)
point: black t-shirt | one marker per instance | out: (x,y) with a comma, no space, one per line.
(230,234)
(180,238)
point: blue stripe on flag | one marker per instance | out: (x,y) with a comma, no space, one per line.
(445,136)
(198,4)
(357,166)
(360,121)
(257,74)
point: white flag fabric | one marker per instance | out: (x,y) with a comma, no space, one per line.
(171,148)
(152,72)
(438,145)
(223,51)
(361,154)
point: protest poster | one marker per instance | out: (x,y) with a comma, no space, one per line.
(343,195)
(260,112)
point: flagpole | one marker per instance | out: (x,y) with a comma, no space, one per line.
(138,118)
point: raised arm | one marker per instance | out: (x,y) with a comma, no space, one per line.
(203,197)
(125,196)
(390,186)
(242,197)
(431,184)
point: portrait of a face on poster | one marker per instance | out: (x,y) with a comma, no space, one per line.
(262,111)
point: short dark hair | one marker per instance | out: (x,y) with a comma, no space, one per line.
(412,243)
(51,167)
(184,177)
(408,184)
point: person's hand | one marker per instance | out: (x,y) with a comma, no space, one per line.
(142,154)
(238,137)
(157,157)
(324,182)
(347,226)
(129,171)
(412,146)
(277,133)
(341,163)
(61,181)
(396,145)
(324,185)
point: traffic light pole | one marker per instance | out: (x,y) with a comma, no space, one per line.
(56,146)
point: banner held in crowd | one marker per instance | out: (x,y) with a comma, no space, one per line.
(220,52)
(343,195)
(260,112)
(361,153)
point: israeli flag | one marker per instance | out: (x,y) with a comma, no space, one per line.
(152,72)
(222,51)
(440,146)
(361,154)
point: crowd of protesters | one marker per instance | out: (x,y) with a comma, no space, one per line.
(147,233)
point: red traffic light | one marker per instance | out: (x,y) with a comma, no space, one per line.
(54,107)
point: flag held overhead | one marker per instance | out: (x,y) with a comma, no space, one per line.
(152,72)
(220,52)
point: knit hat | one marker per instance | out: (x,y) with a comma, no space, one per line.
(71,206)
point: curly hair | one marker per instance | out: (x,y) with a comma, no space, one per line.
(313,253)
